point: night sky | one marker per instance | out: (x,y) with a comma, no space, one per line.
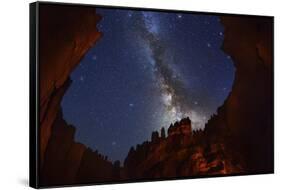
(148,70)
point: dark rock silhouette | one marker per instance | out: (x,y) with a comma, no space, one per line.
(155,137)
(66,33)
(245,121)
(163,133)
(238,139)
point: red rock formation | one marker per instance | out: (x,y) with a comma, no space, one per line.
(238,139)
(66,33)
(245,121)
(180,154)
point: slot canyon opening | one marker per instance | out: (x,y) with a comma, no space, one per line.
(148,70)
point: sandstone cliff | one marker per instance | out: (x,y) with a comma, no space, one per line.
(182,153)
(238,139)
(245,121)
(66,33)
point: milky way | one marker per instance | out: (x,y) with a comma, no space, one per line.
(147,71)
(174,93)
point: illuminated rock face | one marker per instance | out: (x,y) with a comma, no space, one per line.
(180,154)
(239,139)
(66,33)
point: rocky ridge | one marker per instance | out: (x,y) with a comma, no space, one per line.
(238,139)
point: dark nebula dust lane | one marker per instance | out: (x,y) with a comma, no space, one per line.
(147,71)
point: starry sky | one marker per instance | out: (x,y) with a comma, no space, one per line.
(148,70)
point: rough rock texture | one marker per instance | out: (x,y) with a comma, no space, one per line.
(238,139)
(245,121)
(182,153)
(66,33)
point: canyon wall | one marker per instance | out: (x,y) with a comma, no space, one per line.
(245,121)
(238,139)
(66,33)
(183,153)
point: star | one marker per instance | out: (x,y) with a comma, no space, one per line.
(94,57)
(157,73)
